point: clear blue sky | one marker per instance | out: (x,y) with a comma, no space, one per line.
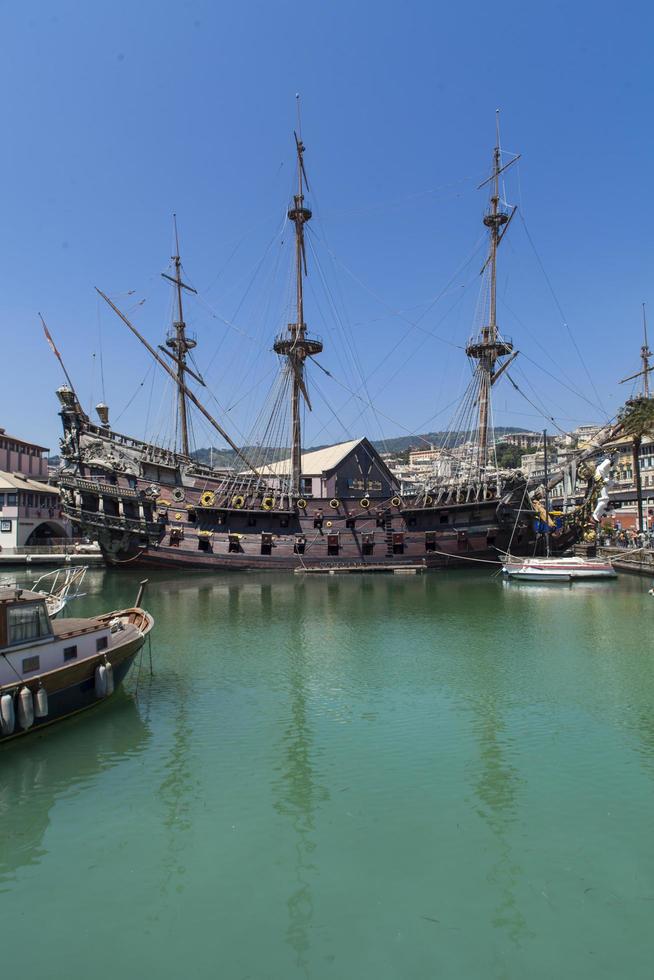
(117,114)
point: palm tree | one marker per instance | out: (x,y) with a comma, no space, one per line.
(637,421)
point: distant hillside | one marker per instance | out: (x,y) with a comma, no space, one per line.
(401,443)
(226,457)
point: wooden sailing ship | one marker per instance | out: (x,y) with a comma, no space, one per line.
(330,510)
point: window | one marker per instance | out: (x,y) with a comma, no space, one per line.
(12,499)
(398,543)
(101,643)
(27,621)
(332,544)
(31,663)
(350,522)
(300,544)
(266,543)
(368,542)
(70,653)
(306,486)
(2,500)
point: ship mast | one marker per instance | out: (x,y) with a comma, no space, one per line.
(295,345)
(489,346)
(645,354)
(180,345)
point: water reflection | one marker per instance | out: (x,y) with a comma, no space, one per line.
(297,791)
(39,769)
(496,784)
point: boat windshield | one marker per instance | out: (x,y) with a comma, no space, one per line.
(27,621)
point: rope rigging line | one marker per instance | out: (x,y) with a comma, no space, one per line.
(401,201)
(550,418)
(140,385)
(414,324)
(570,381)
(354,394)
(563,318)
(403,363)
(348,338)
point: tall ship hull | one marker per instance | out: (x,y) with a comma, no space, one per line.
(158,509)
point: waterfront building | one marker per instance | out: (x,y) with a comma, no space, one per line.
(424,457)
(30,507)
(580,437)
(525,440)
(345,470)
(624,507)
(19,456)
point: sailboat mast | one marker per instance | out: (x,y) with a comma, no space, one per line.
(547,494)
(296,346)
(645,354)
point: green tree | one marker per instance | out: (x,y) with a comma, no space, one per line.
(508,456)
(637,420)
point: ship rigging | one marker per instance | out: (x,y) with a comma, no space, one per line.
(335,508)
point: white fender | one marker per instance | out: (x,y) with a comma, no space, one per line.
(110,678)
(7,714)
(100,681)
(25,708)
(41,703)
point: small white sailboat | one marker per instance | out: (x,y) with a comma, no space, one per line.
(549,569)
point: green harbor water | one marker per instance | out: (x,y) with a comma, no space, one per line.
(380,778)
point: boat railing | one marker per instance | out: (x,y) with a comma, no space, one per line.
(96,518)
(66,547)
